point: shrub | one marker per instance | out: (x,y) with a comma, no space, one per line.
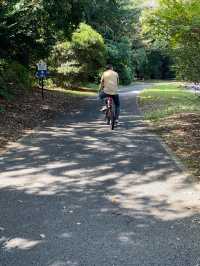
(126,75)
(59,54)
(89,49)
(119,54)
(13,76)
(81,59)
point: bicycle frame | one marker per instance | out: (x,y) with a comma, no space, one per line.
(110,115)
(109,102)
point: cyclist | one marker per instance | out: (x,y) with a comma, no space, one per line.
(109,87)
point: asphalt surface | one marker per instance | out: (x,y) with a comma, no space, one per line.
(76,193)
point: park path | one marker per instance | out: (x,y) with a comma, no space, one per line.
(76,193)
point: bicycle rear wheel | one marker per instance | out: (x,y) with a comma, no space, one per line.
(108,117)
(112,124)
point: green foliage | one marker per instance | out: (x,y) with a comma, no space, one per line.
(2,109)
(13,76)
(153,64)
(119,54)
(63,62)
(59,54)
(82,59)
(188,61)
(164,100)
(92,86)
(32,30)
(24,31)
(178,23)
(89,49)
(20,74)
(126,74)
(113,19)
(139,60)
(117,22)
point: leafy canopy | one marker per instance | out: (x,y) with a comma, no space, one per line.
(177,22)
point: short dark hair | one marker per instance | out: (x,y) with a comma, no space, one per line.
(109,66)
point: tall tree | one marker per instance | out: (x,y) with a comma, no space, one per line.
(177,22)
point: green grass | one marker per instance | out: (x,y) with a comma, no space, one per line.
(79,93)
(165,100)
(72,92)
(93,86)
(2,109)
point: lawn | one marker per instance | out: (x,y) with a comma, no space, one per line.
(174,114)
(92,86)
(164,100)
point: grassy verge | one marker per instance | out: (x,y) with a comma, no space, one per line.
(73,92)
(174,114)
(92,86)
(88,89)
(165,100)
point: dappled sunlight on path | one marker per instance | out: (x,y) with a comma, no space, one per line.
(78,182)
(78,156)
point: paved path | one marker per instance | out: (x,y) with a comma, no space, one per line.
(77,194)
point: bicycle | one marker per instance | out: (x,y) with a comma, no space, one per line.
(110,112)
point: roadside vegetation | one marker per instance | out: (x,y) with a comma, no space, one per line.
(162,101)
(78,38)
(174,114)
(175,27)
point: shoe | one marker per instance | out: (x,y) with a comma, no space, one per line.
(117,121)
(103,109)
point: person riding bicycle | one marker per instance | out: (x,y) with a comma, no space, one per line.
(109,87)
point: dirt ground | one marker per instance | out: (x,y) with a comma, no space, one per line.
(28,110)
(182,134)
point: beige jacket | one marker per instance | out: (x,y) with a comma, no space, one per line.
(110,82)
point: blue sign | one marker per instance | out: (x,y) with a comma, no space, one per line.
(41,74)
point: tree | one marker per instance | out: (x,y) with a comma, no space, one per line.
(178,23)
(119,54)
(81,59)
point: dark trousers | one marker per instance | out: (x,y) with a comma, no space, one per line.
(103,95)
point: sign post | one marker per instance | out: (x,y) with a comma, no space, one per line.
(41,74)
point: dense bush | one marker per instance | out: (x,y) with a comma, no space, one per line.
(81,59)
(62,63)
(126,75)
(89,49)
(177,23)
(59,54)
(119,54)
(33,30)
(153,63)
(13,76)
(188,61)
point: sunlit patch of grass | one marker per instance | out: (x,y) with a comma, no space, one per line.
(80,93)
(159,82)
(173,113)
(73,92)
(93,86)
(164,100)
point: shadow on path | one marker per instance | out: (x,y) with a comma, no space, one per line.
(77,193)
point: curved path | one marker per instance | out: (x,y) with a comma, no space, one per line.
(77,194)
